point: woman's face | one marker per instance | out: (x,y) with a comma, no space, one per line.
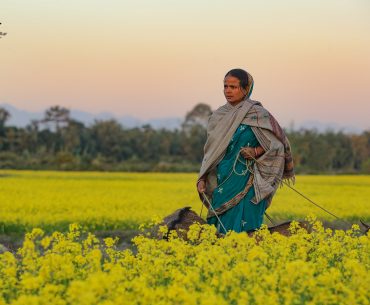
(232,90)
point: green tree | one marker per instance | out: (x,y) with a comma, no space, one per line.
(198,116)
(107,137)
(57,115)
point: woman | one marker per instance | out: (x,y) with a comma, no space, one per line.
(246,156)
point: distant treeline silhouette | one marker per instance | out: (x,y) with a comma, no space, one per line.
(57,142)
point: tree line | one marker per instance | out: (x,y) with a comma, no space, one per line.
(58,142)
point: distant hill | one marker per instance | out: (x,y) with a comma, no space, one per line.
(21,118)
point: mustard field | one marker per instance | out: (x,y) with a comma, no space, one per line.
(61,262)
(75,268)
(103,201)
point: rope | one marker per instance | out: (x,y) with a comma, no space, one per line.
(269,218)
(305,197)
(248,163)
(205,197)
(201,210)
(243,173)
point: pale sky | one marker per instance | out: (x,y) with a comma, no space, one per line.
(310,59)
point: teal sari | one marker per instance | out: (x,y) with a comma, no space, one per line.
(231,179)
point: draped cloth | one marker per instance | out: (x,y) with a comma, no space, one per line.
(271,167)
(231,199)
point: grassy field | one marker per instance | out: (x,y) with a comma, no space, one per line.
(111,201)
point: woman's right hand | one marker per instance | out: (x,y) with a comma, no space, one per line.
(201,186)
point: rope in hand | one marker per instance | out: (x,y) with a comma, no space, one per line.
(248,163)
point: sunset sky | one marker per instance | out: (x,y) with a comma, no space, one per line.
(310,59)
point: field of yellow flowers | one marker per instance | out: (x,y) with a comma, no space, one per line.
(75,268)
(110,201)
(61,262)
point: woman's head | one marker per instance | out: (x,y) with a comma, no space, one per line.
(238,84)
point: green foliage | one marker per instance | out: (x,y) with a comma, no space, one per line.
(65,144)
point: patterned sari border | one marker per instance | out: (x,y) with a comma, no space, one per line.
(232,202)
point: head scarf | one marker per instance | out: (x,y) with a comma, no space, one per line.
(250,85)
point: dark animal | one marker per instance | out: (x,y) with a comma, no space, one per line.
(180,221)
(367,227)
(183,218)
